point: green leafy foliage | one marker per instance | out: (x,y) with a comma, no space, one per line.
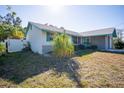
(62,46)
(5,30)
(17,33)
(10,26)
(2,48)
(9,31)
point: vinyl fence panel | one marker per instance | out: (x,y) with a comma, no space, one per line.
(15,45)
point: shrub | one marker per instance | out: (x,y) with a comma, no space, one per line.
(2,48)
(93,47)
(62,45)
(79,47)
(118,43)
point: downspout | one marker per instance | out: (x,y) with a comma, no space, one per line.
(77,40)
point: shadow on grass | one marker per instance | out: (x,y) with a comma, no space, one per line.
(17,67)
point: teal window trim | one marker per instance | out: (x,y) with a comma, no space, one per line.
(85,41)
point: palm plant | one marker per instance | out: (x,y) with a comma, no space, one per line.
(62,45)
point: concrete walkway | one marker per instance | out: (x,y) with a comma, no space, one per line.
(116,50)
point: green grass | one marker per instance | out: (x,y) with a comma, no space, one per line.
(87,68)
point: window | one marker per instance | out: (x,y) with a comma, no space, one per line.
(74,39)
(49,36)
(79,40)
(85,40)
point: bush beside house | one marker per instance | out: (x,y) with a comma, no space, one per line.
(81,47)
(2,48)
(118,44)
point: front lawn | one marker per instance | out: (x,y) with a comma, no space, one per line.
(101,69)
(87,69)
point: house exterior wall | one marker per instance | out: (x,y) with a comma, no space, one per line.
(44,39)
(99,41)
(47,46)
(39,43)
(50,43)
(71,40)
(34,37)
(38,40)
(107,42)
(110,41)
(102,42)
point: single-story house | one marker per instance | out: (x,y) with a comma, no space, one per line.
(40,37)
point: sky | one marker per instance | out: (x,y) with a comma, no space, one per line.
(76,17)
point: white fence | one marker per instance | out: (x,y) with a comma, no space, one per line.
(15,45)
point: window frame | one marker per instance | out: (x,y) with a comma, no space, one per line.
(85,40)
(75,39)
(49,36)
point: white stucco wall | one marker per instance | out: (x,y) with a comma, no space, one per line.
(109,42)
(34,37)
(44,39)
(38,39)
(99,41)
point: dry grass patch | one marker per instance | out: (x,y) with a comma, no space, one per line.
(49,79)
(101,69)
(90,69)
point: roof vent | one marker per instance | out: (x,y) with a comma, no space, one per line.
(46,24)
(61,27)
(51,25)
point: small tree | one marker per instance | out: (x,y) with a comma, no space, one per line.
(62,46)
(5,30)
(17,33)
(10,25)
(118,43)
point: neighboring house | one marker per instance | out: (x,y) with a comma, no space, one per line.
(40,37)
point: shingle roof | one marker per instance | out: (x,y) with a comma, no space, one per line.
(54,29)
(51,28)
(99,32)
